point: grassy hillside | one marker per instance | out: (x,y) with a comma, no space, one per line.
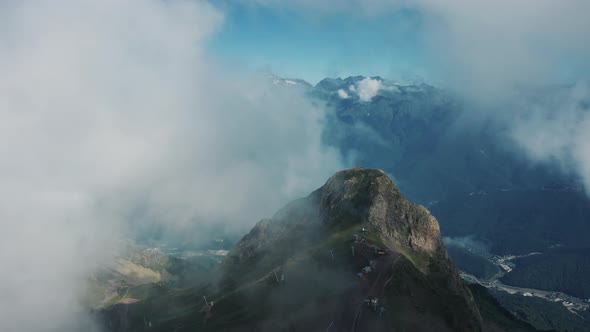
(317,263)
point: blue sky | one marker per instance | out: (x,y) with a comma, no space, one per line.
(459,43)
(303,44)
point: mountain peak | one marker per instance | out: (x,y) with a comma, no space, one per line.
(353,255)
(357,221)
(289,82)
(330,84)
(359,195)
(353,180)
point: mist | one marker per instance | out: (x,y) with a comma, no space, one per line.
(112,115)
(495,55)
(523,65)
(467,242)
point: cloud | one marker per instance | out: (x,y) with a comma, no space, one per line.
(111,113)
(369,8)
(489,57)
(368,88)
(477,46)
(487,52)
(511,68)
(492,59)
(343,94)
(553,127)
(467,242)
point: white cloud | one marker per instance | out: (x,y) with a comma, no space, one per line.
(555,128)
(368,88)
(109,108)
(343,94)
(467,242)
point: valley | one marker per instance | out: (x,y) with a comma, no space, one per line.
(571,303)
(544,308)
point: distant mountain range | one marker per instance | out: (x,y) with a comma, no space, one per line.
(420,135)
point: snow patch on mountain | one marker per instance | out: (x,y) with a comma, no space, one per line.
(343,94)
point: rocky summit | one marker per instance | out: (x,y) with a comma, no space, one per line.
(354,255)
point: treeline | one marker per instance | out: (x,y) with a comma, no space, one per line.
(564,270)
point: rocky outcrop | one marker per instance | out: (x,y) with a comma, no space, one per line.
(364,195)
(354,255)
(357,199)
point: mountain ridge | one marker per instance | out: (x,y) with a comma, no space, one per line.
(366,204)
(354,255)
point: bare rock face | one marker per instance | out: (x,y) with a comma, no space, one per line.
(362,195)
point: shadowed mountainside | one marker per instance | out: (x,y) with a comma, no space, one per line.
(353,255)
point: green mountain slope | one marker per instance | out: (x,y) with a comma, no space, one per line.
(354,255)
(310,243)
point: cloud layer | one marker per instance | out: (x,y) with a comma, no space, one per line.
(510,59)
(110,110)
(554,127)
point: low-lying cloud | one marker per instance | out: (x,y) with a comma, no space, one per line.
(368,88)
(526,70)
(110,110)
(554,126)
(468,243)
(343,94)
